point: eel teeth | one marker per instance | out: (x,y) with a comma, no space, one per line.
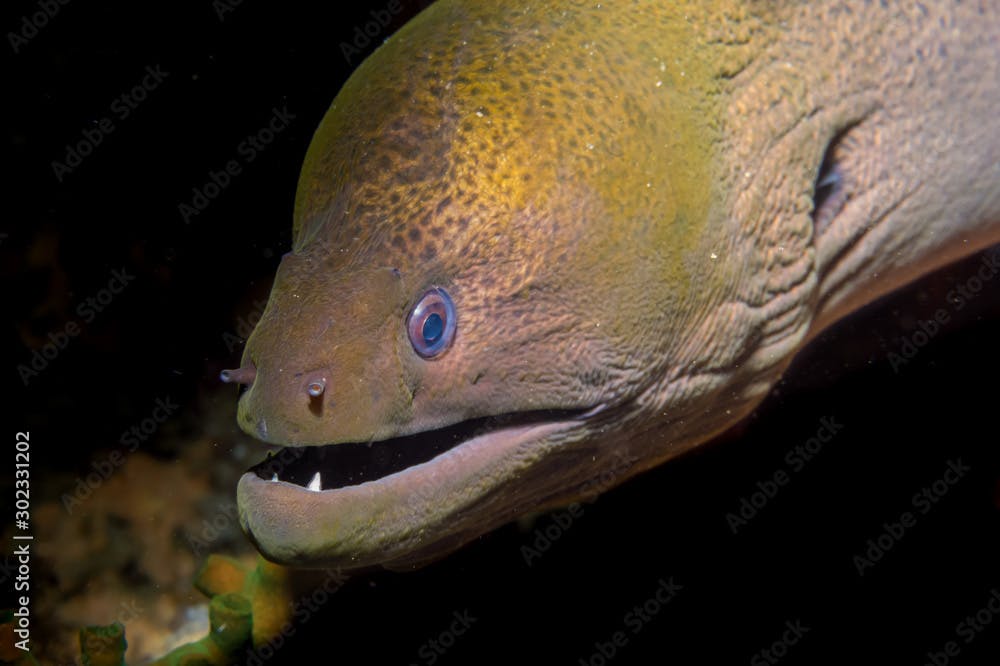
(315,484)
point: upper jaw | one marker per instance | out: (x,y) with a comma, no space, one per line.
(413,515)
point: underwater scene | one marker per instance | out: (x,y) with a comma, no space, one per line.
(570,333)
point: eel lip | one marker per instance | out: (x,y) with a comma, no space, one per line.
(418,513)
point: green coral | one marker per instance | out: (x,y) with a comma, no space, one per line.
(241,613)
(249,608)
(230,631)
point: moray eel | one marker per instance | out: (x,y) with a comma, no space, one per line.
(540,247)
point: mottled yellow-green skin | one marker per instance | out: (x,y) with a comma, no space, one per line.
(618,196)
(513,157)
(479,130)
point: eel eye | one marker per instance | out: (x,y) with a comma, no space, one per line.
(431,324)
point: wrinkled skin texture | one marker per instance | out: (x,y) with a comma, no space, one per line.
(620,200)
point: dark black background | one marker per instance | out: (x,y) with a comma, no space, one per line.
(164,334)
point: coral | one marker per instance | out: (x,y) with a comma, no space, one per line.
(249,612)
(124,548)
(229,634)
(248,609)
(132,517)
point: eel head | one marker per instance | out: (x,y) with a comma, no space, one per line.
(498,258)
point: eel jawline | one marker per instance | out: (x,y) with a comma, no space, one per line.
(418,509)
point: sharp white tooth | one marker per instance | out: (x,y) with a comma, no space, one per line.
(315,484)
(274,477)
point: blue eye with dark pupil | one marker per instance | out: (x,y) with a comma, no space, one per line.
(431,323)
(433,328)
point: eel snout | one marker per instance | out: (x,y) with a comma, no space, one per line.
(243,375)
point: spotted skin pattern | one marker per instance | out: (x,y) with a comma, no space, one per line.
(619,199)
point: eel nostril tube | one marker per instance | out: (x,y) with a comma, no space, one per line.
(243,375)
(316,387)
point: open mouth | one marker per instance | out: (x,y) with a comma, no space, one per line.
(335,466)
(406,500)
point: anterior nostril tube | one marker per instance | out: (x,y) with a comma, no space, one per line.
(316,387)
(244,375)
